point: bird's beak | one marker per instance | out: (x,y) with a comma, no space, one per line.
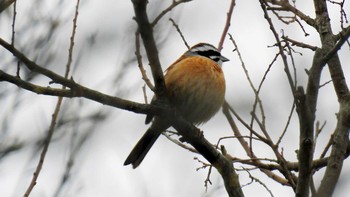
(224,59)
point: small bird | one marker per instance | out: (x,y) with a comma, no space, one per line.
(195,86)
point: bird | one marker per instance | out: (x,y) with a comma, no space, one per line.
(195,87)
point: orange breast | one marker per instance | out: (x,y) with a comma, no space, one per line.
(196,87)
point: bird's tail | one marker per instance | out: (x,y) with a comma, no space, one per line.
(142,147)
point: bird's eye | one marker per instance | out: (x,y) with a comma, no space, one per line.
(214,55)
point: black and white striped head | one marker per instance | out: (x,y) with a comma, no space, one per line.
(207,50)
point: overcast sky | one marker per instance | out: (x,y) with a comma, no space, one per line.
(104,61)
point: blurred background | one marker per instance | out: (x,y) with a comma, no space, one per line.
(91,142)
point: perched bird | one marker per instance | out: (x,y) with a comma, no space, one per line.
(195,86)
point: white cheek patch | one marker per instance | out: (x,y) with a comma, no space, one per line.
(220,63)
(209,51)
(214,57)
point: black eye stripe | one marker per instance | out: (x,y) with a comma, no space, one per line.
(216,59)
(206,50)
(214,55)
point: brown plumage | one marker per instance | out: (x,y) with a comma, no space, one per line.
(196,89)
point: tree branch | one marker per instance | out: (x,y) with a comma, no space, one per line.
(341,133)
(299,44)
(306,108)
(224,165)
(168,9)
(146,31)
(306,144)
(190,133)
(76,90)
(227,24)
(343,37)
(57,110)
(248,150)
(35,88)
(286,6)
(5,4)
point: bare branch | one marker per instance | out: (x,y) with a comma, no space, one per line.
(299,44)
(287,125)
(139,61)
(179,31)
(341,134)
(224,166)
(168,9)
(56,111)
(14,22)
(227,25)
(177,142)
(5,4)
(35,88)
(286,6)
(190,133)
(326,148)
(279,45)
(343,37)
(306,143)
(76,90)
(248,150)
(246,125)
(256,92)
(146,32)
(260,182)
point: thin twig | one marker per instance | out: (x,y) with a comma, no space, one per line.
(299,44)
(262,128)
(286,6)
(207,180)
(327,147)
(256,93)
(144,94)
(71,47)
(45,148)
(287,124)
(265,74)
(168,9)
(177,142)
(325,83)
(290,51)
(227,25)
(146,32)
(56,111)
(319,129)
(139,61)
(258,181)
(246,125)
(14,35)
(233,137)
(180,32)
(14,22)
(255,161)
(279,45)
(76,90)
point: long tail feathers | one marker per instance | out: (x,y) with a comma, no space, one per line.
(142,147)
